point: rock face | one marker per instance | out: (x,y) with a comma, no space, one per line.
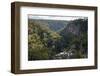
(64,55)
(75,35)
(67,54)
(76,27)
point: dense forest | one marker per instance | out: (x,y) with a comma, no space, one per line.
(57,39)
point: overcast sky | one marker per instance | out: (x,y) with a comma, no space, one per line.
(44,17)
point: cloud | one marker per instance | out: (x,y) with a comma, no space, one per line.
(53,17)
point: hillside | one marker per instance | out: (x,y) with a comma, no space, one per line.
(54,25)
(50,39)
(75,37)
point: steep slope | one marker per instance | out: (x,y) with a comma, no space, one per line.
(75,36)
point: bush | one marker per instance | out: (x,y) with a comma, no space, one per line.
(38,54)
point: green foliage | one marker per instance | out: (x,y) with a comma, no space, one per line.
(75,34)
(43,43)
(39,40)
(38,54)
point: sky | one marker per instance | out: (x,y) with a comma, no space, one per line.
(54,17)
